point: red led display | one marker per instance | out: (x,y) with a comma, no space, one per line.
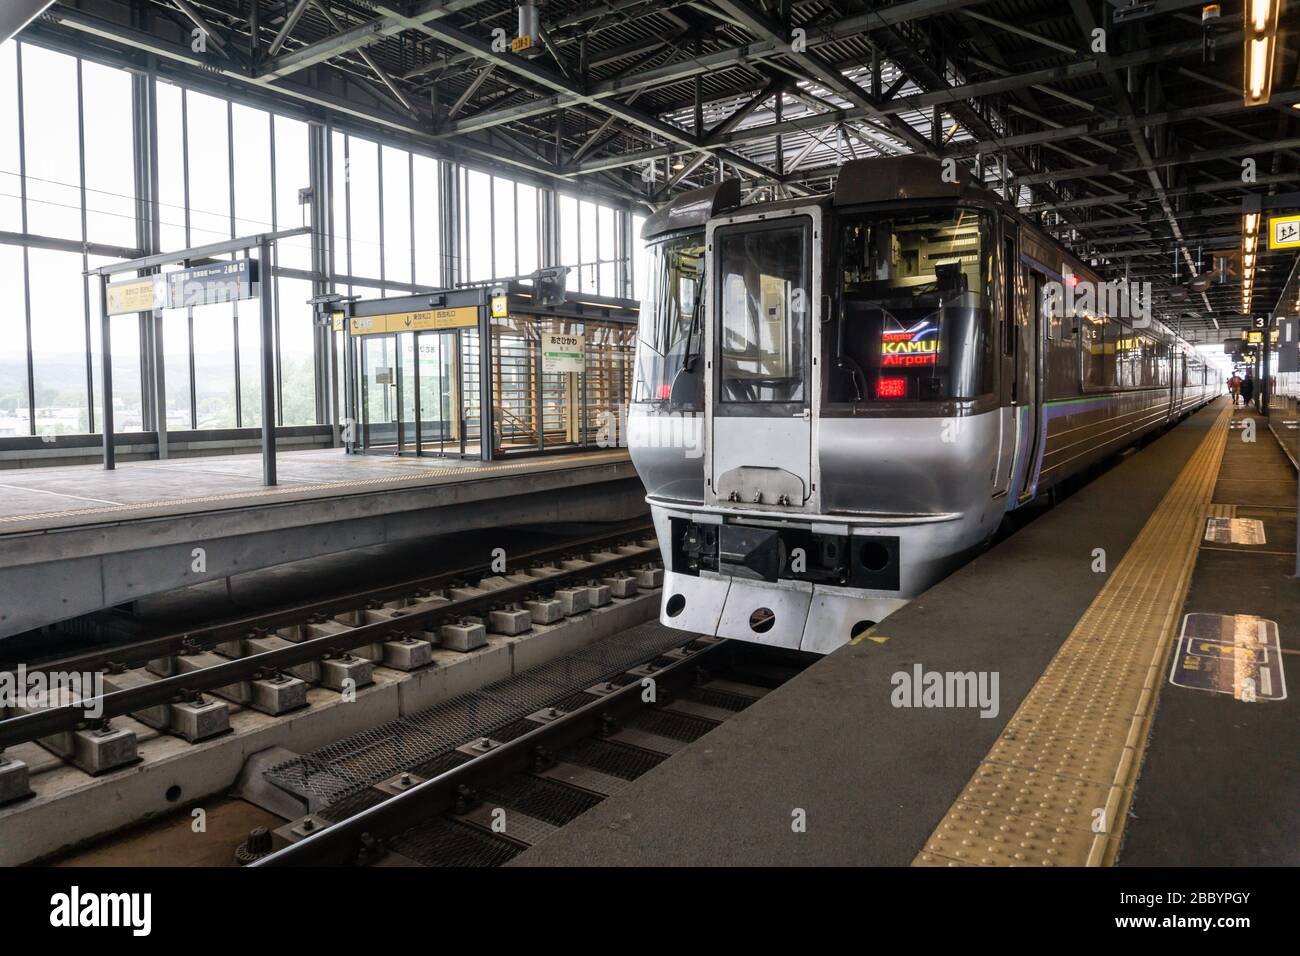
(891,387)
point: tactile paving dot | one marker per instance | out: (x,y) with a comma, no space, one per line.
(1032,799)
(980,837)
(1048,800)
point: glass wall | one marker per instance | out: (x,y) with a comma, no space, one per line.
(69,175)
(590,246)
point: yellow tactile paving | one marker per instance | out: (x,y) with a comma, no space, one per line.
(1054,789)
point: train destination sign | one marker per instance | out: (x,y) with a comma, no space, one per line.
(1233,654)
(425,320)
(212,283)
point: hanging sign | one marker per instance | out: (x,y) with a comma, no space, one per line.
(562,353)
(216,282)
(1284,232)
(463,317)
(133,295)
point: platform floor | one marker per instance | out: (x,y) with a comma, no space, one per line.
(826,770)
(76,495)
(79,539)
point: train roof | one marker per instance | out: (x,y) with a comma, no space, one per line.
(692,209)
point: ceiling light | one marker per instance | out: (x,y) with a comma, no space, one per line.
(1260,40)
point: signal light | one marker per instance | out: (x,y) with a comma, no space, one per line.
(891,387)
(665,391)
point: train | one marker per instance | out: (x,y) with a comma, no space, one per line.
(839,399)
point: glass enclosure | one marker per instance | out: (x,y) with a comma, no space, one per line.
(914,317)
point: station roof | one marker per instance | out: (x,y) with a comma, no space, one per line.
(1133,157)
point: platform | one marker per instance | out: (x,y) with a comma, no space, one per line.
(827,770)
(78,539)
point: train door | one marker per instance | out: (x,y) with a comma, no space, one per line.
(760,331)
(1009,424)
(1033,324)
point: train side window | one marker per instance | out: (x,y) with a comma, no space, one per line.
(1009,262)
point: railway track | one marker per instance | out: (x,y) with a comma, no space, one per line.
(493,796)
(186,684)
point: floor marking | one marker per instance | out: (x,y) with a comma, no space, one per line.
(1064,766)
(61,494)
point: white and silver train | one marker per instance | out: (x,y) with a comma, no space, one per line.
(838,399)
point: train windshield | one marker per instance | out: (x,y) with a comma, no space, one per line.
(762,313)
(915,316)
(671,315)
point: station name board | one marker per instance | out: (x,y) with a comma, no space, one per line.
(463,317)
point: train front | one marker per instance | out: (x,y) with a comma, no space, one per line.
(854,449)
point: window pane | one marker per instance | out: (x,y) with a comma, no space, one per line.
(127,402)
(58,342)
(10,187)
(50,127)
(14,414)
(588,252)
(214,365)
(640,260)
(568,233)
(92,299)
(110,160)
(292,173)
(339,172)
(363,179)
(428,213)
(607,249)
(176,367)
(209,158)
(397,215)
(248,318)
(171,168)
(503,216)
(297,358)
(478,198)
(252,132)
(528,263)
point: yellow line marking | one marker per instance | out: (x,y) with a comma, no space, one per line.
(1065,764)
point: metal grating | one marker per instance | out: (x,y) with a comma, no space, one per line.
(441,842)
(611,758)
(417,740)
(546,800)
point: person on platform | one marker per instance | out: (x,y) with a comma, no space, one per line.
(1247,389)
(1234,388)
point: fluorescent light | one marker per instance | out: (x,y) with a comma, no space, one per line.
(1252,223)
(1260,39)
(1259,11)
(1258,69)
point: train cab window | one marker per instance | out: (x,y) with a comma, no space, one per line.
(915,307)
(763,304)
(671,317)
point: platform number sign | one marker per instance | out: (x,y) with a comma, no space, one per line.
(562,352)
(1259,322)
(1284,232)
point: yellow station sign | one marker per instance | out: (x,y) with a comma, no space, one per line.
(463,317)
(1284,232)
(134,295)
